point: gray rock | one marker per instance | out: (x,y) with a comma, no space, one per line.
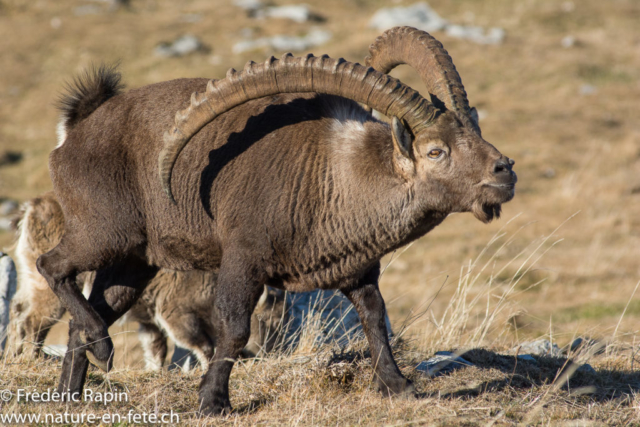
(248,4)
(588,89)
(282,43)
(442,363)
(55,351)
(8,207)
(421,16)
(87,9)
(5,224)
(476,34)
(418,15)
(328,314)
(527,357)
(296,12)
(539,348)
(181,46)
(191,18)
(586,369)
(568,41)
(183,360)
(8,283)
(586,344)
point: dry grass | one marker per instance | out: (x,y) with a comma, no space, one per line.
(575,154)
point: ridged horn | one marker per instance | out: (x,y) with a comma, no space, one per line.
(425,54)
(288,75)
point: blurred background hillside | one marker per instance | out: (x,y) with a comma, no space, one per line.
(556,83)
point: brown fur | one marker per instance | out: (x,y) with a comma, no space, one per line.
(174,304)
(267,192)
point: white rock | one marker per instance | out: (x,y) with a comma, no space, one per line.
(421,16)
(7,291)
(55,351)
(568,41)
(248,4)
(476,34)
(418,15)
(298,12)
(5,224)
(588,89)
(55,22)
(283,43)
(7,207)
(181,46)
(88,9)
(540,348)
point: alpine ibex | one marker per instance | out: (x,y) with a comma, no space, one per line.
(272,175)
(174,304)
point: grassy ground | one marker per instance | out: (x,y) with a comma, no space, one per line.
(568,116)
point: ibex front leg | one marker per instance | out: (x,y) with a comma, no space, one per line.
(237,293)
(366,298)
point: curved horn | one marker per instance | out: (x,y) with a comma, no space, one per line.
(287,75)
(425,54)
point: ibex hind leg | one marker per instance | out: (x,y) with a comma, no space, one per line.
(366,298)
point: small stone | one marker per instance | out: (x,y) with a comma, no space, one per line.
(283,43)
(248,4)
(5,224)
(476,34)
(181,46)
(539,348)
(8,207)
(568,41)
(586,344)
(88,9)
(191,18)
(8,284)
(588,89)
(55,23)
(298,13)
(549,173)
(586,369)
(418,15)
(55,351)
(442,363)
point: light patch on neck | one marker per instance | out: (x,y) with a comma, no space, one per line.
(61,131)
(347,128)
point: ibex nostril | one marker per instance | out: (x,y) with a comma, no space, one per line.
(512,162)
(503,165)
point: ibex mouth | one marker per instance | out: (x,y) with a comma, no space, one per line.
(511,186)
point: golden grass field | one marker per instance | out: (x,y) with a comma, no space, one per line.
(562,262)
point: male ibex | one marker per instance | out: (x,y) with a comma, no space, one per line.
(272,175)
(174,304)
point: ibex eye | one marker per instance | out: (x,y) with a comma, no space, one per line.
(435,153)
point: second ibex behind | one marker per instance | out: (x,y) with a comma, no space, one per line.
(274,175)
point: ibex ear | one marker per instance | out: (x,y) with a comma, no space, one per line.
(402,144)
(401,137)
